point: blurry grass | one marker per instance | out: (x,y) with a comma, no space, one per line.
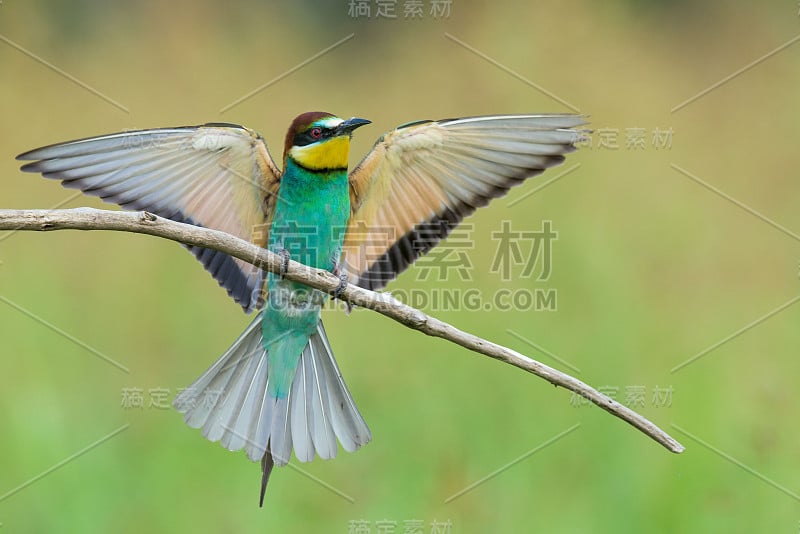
(650,269)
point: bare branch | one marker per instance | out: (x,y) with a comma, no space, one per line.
(383,303)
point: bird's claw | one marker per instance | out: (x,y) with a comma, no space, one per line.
(341,287)
(285,256)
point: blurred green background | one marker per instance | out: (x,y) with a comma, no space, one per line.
(650,268)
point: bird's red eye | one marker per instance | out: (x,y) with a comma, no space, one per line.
(316,133)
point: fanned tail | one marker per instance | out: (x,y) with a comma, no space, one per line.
(230,403)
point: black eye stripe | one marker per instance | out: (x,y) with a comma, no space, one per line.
(305,138)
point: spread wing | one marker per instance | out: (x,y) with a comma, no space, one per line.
(421,179)
(219,176)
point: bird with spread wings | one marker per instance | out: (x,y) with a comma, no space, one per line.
(278,389)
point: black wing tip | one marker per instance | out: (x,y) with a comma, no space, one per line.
(413,123)
(267,463)
(583,117)
(218,125)
(413,244)
(33,166)
(552,161)
(30,155)
(39,153)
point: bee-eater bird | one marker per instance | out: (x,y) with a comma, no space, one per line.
(278,387)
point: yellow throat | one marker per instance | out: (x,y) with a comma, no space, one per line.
(330,154)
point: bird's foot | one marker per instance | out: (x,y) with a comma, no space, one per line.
(341,287)
(285,256)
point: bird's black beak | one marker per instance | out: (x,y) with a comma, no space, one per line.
(346,127)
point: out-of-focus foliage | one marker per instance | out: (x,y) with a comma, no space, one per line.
(651,267)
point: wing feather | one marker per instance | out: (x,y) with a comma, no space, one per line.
(421,179)
(219,176)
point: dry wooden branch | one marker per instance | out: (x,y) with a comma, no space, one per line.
(384,303)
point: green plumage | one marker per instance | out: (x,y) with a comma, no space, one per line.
(311,213)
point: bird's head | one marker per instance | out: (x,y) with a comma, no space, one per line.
(320,141)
